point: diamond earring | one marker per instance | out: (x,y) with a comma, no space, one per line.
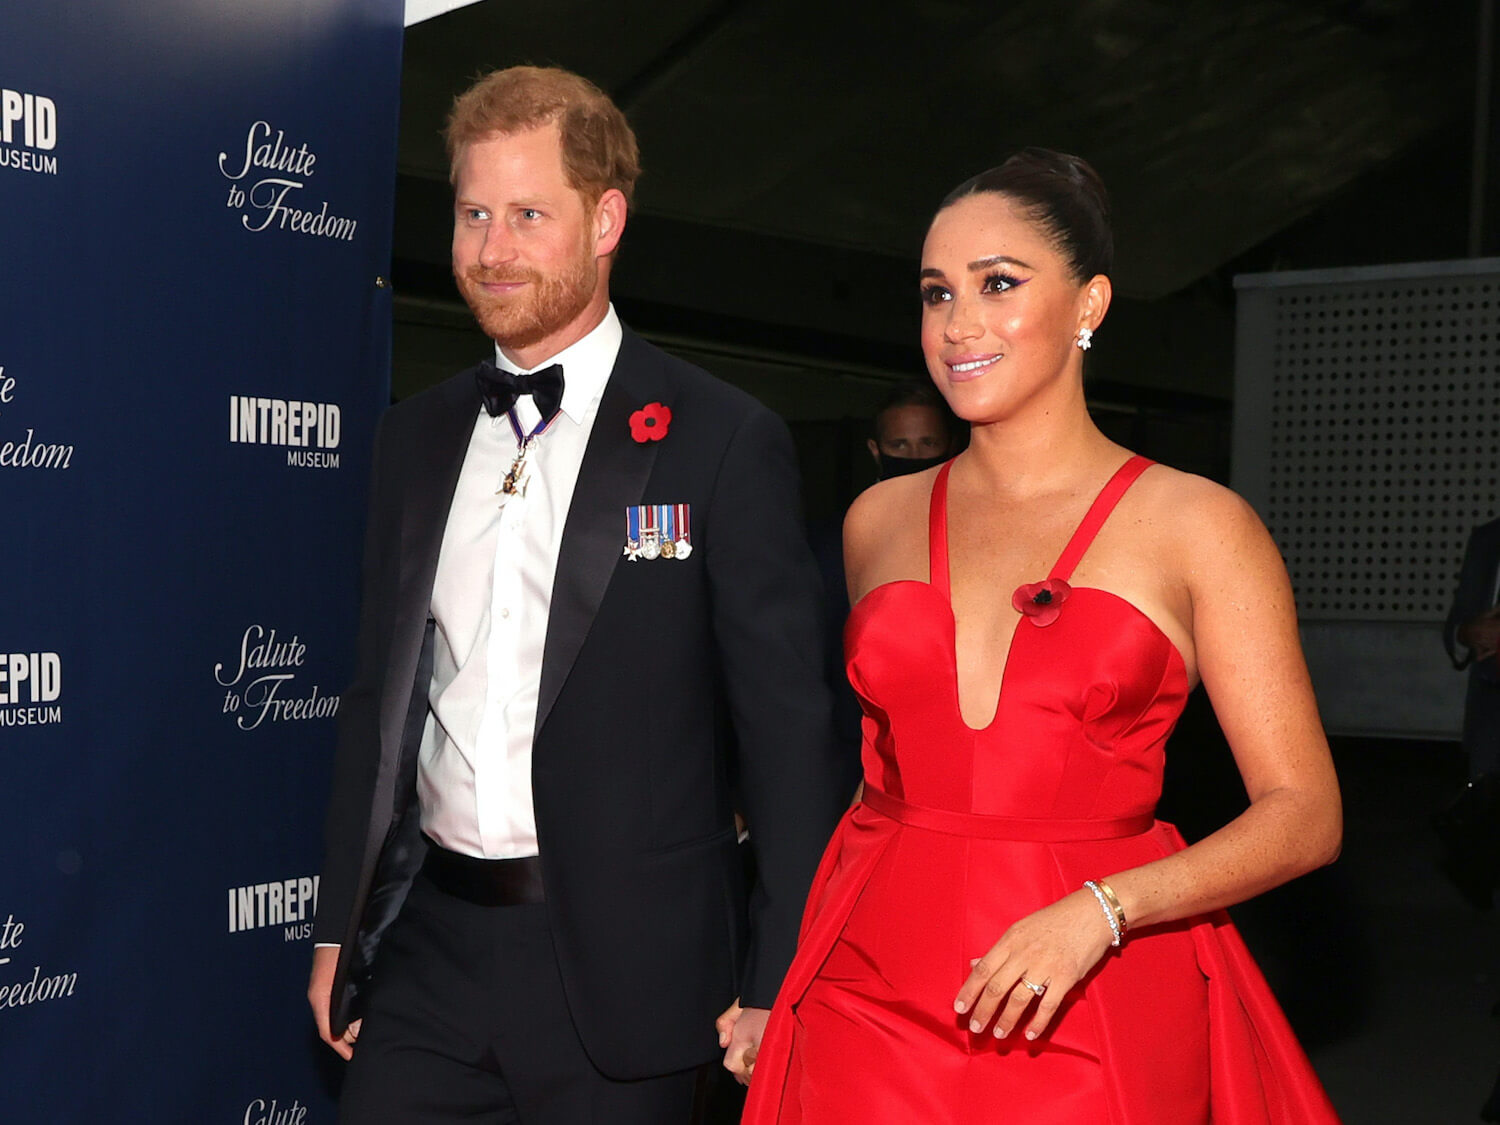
(1085,338)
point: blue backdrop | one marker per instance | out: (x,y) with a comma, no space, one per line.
(195,214)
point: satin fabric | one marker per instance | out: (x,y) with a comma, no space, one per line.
(967,831)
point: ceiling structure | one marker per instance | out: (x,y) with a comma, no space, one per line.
(794,151)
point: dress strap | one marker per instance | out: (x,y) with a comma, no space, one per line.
(937,532)
(1098,512)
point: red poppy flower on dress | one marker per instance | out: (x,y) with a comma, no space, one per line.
(1041,601)
(650,422)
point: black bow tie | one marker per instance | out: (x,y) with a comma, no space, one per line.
(499,389)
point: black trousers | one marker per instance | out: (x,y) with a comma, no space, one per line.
(467,1021)
(1482,724)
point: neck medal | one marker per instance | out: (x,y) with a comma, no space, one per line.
(514,482)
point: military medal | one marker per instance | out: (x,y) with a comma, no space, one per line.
(668,537)
(632,533)
(514,481)
(658,531)
(684,542)
(650,533)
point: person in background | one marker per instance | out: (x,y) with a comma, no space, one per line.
(913,430)
(1470,827)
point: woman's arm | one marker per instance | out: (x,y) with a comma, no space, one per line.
(1244,631)
(1244,628)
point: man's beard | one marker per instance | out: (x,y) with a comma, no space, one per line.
(549,302)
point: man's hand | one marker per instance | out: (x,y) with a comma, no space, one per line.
(320,996)
(740,1031)
(1482,633)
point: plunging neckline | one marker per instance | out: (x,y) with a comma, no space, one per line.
(940,577)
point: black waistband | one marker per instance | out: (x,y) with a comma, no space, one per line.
(484,882)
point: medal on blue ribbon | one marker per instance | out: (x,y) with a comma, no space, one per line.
(632,533)
(667,520)
(658,531)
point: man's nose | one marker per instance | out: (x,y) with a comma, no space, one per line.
(499,247)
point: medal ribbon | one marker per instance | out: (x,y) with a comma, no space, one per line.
(522,438)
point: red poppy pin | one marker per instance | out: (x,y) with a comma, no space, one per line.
(650,422)
(1041,601)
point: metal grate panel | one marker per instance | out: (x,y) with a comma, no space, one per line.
(1383,440)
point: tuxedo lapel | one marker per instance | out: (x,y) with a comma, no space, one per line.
(437,461)
(612,478)
(435,453)
(1491,594)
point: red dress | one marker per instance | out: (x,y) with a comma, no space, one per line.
(960,833)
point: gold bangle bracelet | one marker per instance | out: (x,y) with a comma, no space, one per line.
(1110,918)
(1114,903)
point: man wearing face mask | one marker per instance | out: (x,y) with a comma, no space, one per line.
(913,430)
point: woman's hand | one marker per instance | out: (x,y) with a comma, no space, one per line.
(1055,947)
(740,1032)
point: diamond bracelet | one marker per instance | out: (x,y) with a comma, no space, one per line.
(1114,914)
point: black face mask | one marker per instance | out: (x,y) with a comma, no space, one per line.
(891,466)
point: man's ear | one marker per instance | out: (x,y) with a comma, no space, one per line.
(874,450)
(609,222)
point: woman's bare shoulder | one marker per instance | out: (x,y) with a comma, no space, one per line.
(889,502)
(1201,519)
(1192,499)
(884,516)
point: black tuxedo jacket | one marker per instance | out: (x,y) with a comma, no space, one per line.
(671,691)
(1475,594)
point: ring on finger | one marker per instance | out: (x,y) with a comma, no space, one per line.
(1036,989)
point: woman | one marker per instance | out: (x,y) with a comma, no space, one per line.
(1000,930)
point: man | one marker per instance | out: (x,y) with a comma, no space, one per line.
(1470,829)
(913,430)
(577,598)
(1474,624)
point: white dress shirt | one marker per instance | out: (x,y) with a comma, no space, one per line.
(490,600)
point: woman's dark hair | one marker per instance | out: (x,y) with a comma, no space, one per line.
(1062,195)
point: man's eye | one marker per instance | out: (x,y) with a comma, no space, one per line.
(530,214)
(476,215)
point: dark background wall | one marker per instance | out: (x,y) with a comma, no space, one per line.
(793,157)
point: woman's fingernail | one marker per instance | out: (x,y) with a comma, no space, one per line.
(960,1007)
(975,1026)
(999,1032)
(1031,1035)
